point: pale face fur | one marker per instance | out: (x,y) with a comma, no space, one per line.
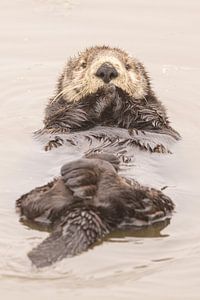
(79,79)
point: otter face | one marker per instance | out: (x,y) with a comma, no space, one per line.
(99,66)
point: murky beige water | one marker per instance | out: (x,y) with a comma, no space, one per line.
(36,36)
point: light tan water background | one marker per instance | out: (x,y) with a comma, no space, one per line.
(36,37)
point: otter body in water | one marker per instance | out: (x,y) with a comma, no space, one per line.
(88,201)
(102,94)
(105,86)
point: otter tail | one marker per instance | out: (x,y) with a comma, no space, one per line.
(80,229)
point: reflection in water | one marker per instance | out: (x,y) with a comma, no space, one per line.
(153,231)
(36,225)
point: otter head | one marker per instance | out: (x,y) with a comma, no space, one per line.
(97,67)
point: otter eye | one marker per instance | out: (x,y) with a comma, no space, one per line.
(127,66)
(83,65)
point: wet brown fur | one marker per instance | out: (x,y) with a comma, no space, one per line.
(85,203)
(89,200)
(83,101)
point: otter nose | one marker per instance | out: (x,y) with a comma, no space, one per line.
(106,72)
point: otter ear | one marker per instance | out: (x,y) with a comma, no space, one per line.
(80,229)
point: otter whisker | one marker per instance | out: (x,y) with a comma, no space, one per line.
(75,97)
(72,88)
(56,97)
(64,92)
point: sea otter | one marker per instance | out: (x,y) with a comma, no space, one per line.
(87,202)
(105,86)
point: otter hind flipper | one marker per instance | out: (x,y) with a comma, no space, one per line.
(80,177)
(30,205)
(153,205)
(44,204)
(80,229)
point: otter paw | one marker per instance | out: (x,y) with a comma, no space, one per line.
(110,89)
(57,142)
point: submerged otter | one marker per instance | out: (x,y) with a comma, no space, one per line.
(105,86)
(88,201)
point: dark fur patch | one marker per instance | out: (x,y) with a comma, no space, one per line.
(87,202)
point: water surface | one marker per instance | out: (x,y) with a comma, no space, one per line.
(36,38)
